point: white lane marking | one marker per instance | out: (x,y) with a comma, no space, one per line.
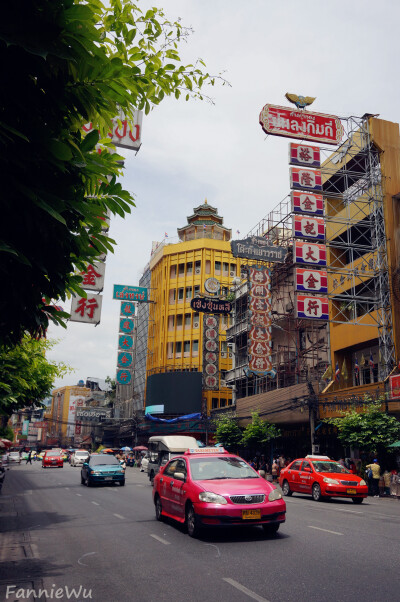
(28,492)
(352,511)
(88,554)
(244,589)
(95,503)
(119,516)
(66,487)
(80,495)
(139,485)
(160,539)
(216,547)
(326,530)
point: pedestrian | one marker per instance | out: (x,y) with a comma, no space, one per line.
(29,457)
(386,481)
(376,474)
(281,462)
(262,471)
(275,470)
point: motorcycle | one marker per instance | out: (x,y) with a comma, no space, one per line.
(2,474)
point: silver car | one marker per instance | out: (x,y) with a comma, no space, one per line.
(14,457)
(79,457)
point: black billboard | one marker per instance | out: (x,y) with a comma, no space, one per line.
(178,392)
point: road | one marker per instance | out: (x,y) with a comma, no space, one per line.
(57,534)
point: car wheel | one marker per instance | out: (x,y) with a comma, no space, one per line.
(286,489)
(152,477)
(192,522)
(271,529)
(82,480)
(158,506)
(358,500)
(88,482)
(316,492)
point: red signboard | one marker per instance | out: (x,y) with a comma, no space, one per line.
(306,226)
(306,252)
(306,202)
(302,154)
(315,281)
(259,342)
(312,307)
(292,123)
(395,386)
(305,179)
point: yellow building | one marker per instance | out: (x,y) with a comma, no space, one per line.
(361,188)
(61,417)
(175,331)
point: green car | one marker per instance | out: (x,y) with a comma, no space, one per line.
(102,468)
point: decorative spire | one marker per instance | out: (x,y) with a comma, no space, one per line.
(205,202)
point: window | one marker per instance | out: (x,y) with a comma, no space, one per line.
(188,293)
(186,347)
(224,346)
(172,296)
(180,295)
(196,320)
(188,320)
(178,348)
(197,268)
(217,267)
(195,347)
(173,271)
(208,266)
(171,322)
(306,465)
(233,269)
(170,350)
(196,290)
(214,403)
(181,269)
(189,268)
(296,465)
(225,268)
(179,321)
(222,403)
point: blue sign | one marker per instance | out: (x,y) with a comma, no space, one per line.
(124,359)
(125,341)
(126,325)
(129,293)
(127,308)
(124,377)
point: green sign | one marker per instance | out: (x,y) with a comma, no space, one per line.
(129,293)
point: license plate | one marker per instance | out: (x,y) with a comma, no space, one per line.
(352,491)
(108,478)
(251,514)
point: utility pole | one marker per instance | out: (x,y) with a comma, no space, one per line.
(312,406)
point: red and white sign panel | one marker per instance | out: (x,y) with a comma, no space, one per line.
(292,123)
(315,281)
(395,386)
(86,310)
(307,202)
(259,342)
(312,307)
(93,276)
(309,227)
(124,134)
(305,179)
(310,253)
(302,154)
(210,352)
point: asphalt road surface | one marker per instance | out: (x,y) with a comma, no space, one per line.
(105,544)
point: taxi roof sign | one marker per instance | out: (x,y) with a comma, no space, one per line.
(207,450)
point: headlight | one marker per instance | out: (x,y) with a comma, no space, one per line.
(274,495)
(95,472)
(362,483)
(331,481)
(211,498)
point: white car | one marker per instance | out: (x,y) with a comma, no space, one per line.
(14,457)
(79,457)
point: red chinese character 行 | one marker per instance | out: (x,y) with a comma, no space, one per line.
(86,304)
(124,376)
(308,204)
(90,276)
(311,281)
(312,307)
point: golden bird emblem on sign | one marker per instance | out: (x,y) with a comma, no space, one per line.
(301,102)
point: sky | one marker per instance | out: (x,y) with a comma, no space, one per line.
(344,53)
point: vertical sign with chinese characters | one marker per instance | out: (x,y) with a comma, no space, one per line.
(126,343)
(86,309)
(259,345)
(211,352)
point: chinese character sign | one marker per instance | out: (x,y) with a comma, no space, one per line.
(302,154)
(124,377)
(259,342)
(309,227)
(130,293)
(124,359)
(125,342)
(312,307)
(211,353)
(86,309)
(315,281)
(93,276)
(307,202)
(127,308)
(126,325)
(305,179)
(309,253)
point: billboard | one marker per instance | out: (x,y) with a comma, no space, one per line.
(312,307)
(306,179)
(179,392)
(307,202)
(302,154)
(307,226)
(257,247)
(315,281)
(124,292)
(86,309)
(259,340)
(211,353)
(123,133)
(309,253)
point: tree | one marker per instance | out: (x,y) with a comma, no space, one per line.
(259,432)
(64,64)
(26,376)
(227,431)
(371,430)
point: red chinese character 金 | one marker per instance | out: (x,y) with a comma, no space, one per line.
(90,276)
(311,281)
(308,204)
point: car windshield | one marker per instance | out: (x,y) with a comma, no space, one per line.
(51,454)
(329,467)
(83,453)
(103,461)
(220,468)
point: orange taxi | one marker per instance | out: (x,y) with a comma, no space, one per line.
(322,478)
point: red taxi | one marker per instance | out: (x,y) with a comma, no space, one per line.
(322,478)
(211,487)
(52,458)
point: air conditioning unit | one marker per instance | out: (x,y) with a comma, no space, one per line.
(223,353)
(232,273)
(223,383)
(195,324)
(197,271)
(230,355)
(289,307)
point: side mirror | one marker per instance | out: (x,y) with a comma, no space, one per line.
(179,476)
(307,469)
